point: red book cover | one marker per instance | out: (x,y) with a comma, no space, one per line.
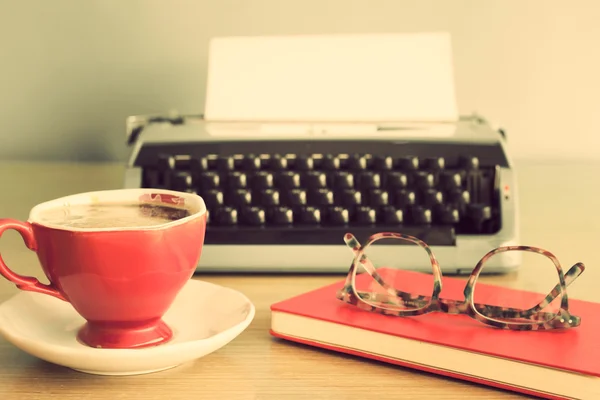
(560,364)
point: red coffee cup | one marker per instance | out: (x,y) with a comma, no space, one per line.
(120,280)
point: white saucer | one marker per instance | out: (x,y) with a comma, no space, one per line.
(204,317)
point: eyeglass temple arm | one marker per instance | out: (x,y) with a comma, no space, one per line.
(570,277)
(354,245)
(573,273)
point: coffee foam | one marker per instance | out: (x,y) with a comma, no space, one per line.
(115,215)
(73,212)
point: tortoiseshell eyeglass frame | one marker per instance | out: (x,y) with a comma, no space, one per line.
(531,319)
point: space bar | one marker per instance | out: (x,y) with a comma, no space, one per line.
(299,235)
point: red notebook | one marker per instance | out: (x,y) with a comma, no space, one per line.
(561,364)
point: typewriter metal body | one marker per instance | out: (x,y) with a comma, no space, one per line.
(283,202)
(293,151)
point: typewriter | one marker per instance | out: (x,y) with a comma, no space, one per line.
(282,192)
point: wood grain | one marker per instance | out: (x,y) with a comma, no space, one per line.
(559,211)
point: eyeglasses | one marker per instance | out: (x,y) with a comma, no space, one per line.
(389,299)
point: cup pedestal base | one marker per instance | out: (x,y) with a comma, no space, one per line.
(124,336)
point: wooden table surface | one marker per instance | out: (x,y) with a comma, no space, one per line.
(559,211)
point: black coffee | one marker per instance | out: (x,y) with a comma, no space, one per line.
(112,215)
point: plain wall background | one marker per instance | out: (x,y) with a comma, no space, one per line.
(71,71)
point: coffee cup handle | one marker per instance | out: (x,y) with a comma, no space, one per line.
(25,282)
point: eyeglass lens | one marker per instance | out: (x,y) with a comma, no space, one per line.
(389,257)
(530,292)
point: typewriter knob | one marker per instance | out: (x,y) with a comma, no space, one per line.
(431,197)
(237,180)
(477,214)
(348,197)
(268,197)
(419,215)
(343,180)
(303,163)
(468,162)
(225,163)
(277,162)
(338,216)
(165,162)
(226,216)
(365,215)
(408,163)
(395,179)
(330,162)
(198,164)
(251,162)
(253,216)
(181,181)
(446,214)
(383,163)
(459,198)
(213,198)
(423,180)
(434,163)
(392,215)
(309,216)
(357,162)
(280,216)
(404,198)
(378,197)
(450,180)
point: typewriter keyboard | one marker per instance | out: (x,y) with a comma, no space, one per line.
(311,197)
